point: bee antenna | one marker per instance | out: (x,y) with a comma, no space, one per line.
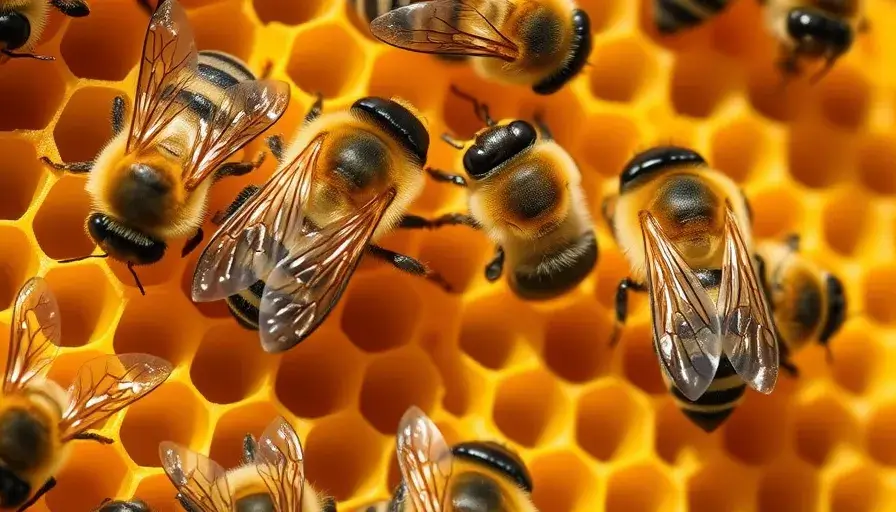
(451,141)
(12,55)
(136,278)
(481,109)
(82,258)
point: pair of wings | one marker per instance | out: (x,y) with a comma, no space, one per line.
(102,387)
(691,333)
(278,459)
(168,67)
(426,462)
(448,27)
(305,268)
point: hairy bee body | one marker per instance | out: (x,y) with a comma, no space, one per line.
(672,16)
(123,506)
(251,494)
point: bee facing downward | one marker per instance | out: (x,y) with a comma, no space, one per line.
(23,21)
(685,230)
(38,418)
(539,43)
(193,111)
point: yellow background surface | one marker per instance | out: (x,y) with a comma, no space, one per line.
(595,426)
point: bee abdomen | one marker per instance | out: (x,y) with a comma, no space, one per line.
(557,273)
(244,305)
(674,15)
(718,402)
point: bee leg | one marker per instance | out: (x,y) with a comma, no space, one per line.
(73,167)
(93,436)
(446,177)
(316,108)
(495,267)
(543,127)
(409,265)
(275,144)
(44,489)
(239,168)
(449,219)
(118,108)
(71,8)
(192,243)
(240,200)
(249,449)
(622,306)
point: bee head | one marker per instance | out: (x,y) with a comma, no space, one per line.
(817,33)
(123,243)
(398,119)
(13,490)
(496,457)
(14,30)
(124,506)
(497,144)
(836,313)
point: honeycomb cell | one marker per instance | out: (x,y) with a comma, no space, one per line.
(609,142)
(734,32)
(622,69)
(675,433)
(710,489)
(157,491)
(737,147)
(170,413)
(19,261)
(609,421)
(881,434)
(822,425)
(339,467)
(86,47)
(20,176)
(817,155)
(30,93)
(641,488)
(87,302)
(857,360)
(59,223)
(571,351)
(381,311)
(528,406)
(78,487)
(237,353)
(561,482)
(157,324)
(777,212)
(845,97)
(66,366)
(492,328)
(286,11)
(393,383)
(149,275)
(788,487)
(232,427)
(224,27)
(877,163)
(639,362)
(845,219)
(770,98)
(85,124)
(860,490)
(612,268)
(325,59)
(462,269)
(390,78)
(321,376)
(878,292)
(756,431)
(700,81)
(603,13)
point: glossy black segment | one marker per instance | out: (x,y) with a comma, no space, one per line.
(725,369)
(243,311)
(655,160)
(670,16)
(198,104)
(250,447)
(580,50)
(496,457)
(217,76)
(809,305)
(837,307)
(71,8)
(712,6)
(708,421)
(276,144)
(497,145)
(398,121)
(531,192)
(818,33)
(124,506)
(228,60)
(447,177)
(260,502)
(123,243)
(547,281)
(709,278)
(14,30)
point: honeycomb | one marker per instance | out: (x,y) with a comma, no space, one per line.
(596,426)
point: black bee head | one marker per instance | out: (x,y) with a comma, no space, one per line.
(123,243)
(817,33)
(496,145)
(14,30)
(496,457)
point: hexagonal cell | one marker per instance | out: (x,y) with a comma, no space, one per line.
(789,487)
(149,275)
(422,88)
(320,377)
(170,413)
(738,31)
(877,163)
(462,269)
(563,112)
(394,382)
(92,473)
(561,482)
(737,146)
(325,59)
(571,347)
(857,360)
(609,141)
(19,262)
(700,81)
(235,352)
(675,432)
(59,223)
(237,39)
(710,489)
(769,96)
(639,362)
(30,93)
(459,380)
(603,13)
(381,312)
(157,324)
(878,292)
(817,155)
(821,426)
(493,327)
(609,420)
(342,453)
(860,490)
(846,218)
(156,490)
(642,488)
(232,427)
(286,11)
(528,406)
(85,46)
(780,213)
(845,97)
(20,176)
(756,432)
(85,315)
(694,37)
(84,126)
(881,434)
(622,69)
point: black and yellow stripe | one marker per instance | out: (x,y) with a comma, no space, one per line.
(244,305)
(217,71)
(718,402)
(674,15)
(369,9)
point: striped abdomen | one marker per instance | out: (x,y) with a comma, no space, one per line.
(244,305)
(719,401)
(370,9)
(674,15)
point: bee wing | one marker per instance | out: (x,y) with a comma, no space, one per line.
(748,331)
(685,322)
(34,335)
(425,461)
(447,27)
(107,384)
(279,461)
(197,477)
(167,67)
(304,287)
(248,109)
(248,243)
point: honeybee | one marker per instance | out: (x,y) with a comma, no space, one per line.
(135,505)
(685,230)
(284,253)
(525,192)
(193,111)
(271,478)
(672,16)
(538,43)
(808,303)
(23,21)
(467,477)
(38,418)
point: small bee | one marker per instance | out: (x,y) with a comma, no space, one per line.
(673,16)
(538,43)
(813,30)
(23,21)
(469,476)
(808,303)
(685,229)
(284,253)
(38,418)
(270,479)
(193,111)
(525,191)
(135,505)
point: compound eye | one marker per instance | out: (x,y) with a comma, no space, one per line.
(123,243)
(523,133)
(496,146)
(14,30)
(805,26)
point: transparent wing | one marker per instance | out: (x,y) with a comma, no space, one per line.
(249,242)
(197,477)
(447,27)
(107,384)
(304,287)
(248,109)
(748,331)
(685,322)
(167,67)
(425,462)
(280,463)
(34,335)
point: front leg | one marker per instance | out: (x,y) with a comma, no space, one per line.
(239,168)
(118,110)
(71,8)
(316,108)
(409,265)
(92,436)
(73,167)
(446,177)
(44,489)
(495,267)
(193,243)
(622,306)
(449,219)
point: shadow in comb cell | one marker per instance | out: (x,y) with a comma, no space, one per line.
(570,350)
(789,485)
(30,93)
(395,382)
(610,423)
(288,12)
(236,39)
(641,488)
(562,483)
(339,467)
(105,45)
(84,128)
(19,261)
(59,223)
(623,71)
(326,59)
(20,176)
